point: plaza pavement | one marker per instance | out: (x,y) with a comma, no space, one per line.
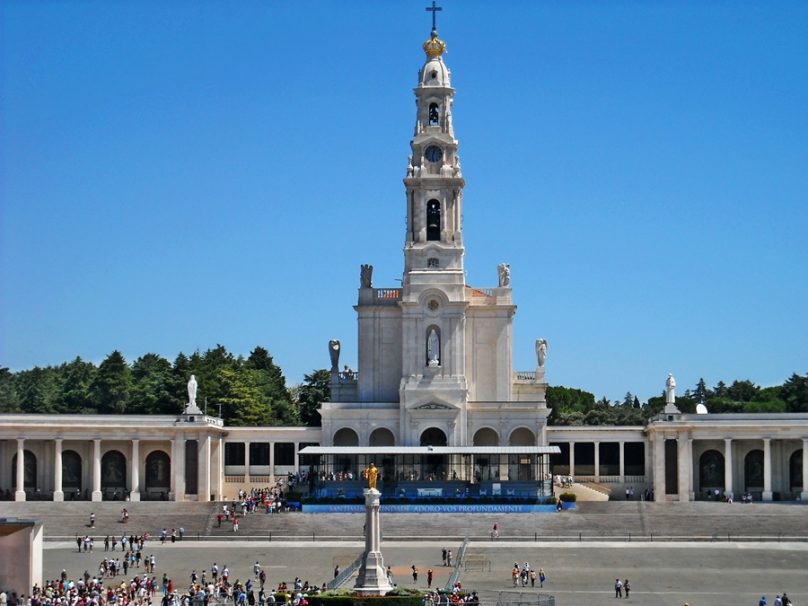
(702,553)
(578,573)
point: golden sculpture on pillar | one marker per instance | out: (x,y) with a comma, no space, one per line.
(370,474)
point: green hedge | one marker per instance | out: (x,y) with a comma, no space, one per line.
(343,597)
(568,497)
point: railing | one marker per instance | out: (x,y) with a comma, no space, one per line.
(234,479)
(390,296)
(348,377)
(525,375)
(461,553)
(481,292)
(346,574)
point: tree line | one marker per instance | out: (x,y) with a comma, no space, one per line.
(571,406)
(252,392)
(248,391)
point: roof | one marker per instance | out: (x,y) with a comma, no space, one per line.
(439,450)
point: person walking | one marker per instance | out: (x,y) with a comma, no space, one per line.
(429,574)
(541,577)
(443,554)
(618,588)
(414,574)
(626,587)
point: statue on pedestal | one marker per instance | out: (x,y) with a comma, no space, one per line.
(370,474)
(333,352)
(504,272)
(366,276)
(670,389)
(541,352)
(192,385)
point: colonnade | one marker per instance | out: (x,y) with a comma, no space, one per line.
(686,468)
(210,466)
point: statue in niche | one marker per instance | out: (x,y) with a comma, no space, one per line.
(670,389)
(366,276)
(504,271)
(333,352)
(192,385)
(541,351)
(433,348)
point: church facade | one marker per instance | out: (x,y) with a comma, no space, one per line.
(435,354)
(435,372)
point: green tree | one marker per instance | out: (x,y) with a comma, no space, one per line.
(38,389)
(9,402)
(742,391)
(273,387)
(243,399)
(315,389)
(794,392)
(153,387)
(111,389)
(702,392)
(74,397)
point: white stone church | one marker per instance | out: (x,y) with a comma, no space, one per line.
(435,401)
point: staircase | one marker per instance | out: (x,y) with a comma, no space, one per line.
(585,492)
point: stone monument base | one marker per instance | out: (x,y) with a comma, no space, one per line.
(372,579)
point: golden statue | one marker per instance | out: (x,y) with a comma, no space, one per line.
(371,473)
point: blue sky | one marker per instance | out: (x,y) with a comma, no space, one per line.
(175,175)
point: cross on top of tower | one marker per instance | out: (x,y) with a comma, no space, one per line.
(434,9)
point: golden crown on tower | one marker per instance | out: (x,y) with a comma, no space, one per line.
(434,47)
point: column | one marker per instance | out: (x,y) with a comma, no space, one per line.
(659,466)
(622,448)
(767,469)
(272,462)
(19,495)
(178,467)
(297,457)
(246,462)
(597,461)
(134,472)
(58,493)
(728,481)
(97,496)
(203,492)
(684,462)
(218,477)
(804,493)
(572,459)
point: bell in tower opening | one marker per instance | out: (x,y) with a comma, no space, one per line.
(433,220)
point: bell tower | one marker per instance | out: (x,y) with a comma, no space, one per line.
(433,392)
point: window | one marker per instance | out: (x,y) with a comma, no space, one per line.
(432,262)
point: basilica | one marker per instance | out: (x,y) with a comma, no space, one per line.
(435,401)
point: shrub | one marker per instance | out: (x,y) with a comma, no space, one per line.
(568,497)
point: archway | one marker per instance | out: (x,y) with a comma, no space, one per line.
(29,471)
(382,436)
(796,472)
(113,474)
(486,466)
(71,472)
(486,436)
(520,466)
(433,437)
(753,471)
(522,436)
(346,437)
(158,473)
(711,471)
